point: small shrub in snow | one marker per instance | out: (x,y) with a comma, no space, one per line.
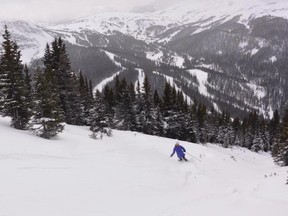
(46,127)
(99,134)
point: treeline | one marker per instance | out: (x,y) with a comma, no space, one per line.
(168,114)
(57,95)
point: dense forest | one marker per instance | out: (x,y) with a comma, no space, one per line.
(55,95)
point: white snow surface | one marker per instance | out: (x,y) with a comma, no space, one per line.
(155,56)
(273,59)
(112,57)
(202,78)
(141,78)
(31,38)
(132,174)
(259,91)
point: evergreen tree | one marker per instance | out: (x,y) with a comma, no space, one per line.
(145,114)
(225,133)
(265,136)
(167,99)
(274,129)
(125,112)
(56,60)
(27,92)
(236,125)
(192,126)
(47,114)
(84,97)
(280,149)
(28,82)
(201,118)
(252,130)
(75,108)
(244,130)
(257,143)
(174,113)
(14,88)
(99,118)
(159,121)
(157,100)
(108,97)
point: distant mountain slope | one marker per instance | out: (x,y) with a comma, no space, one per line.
(31,38)
(242,46)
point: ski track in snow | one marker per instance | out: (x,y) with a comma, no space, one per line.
(132,174)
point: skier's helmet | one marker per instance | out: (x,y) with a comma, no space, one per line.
(177,144)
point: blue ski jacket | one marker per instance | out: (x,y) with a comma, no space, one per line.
(179,151)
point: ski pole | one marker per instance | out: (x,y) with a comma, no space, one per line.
(193,156)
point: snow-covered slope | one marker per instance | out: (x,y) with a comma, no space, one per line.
(137,25)
(149,26)
(191,11)
(31,38)
(132,174)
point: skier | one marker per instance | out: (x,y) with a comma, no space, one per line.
(180,150)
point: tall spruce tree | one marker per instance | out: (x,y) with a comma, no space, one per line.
(274,129)
(144,109)
(252,130)
(225,133)
(280,149)
(159,122)
(57,64)
(202,128)
(174,113)
(86,99)
(75,109)
(236,125)
(108,97)
(14,88)
(125,103)
(47,114)
(99,119)
(192,126)
(212,126)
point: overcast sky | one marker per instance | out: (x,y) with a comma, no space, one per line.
(53,10)
(59,10)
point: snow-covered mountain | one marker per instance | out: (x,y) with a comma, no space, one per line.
(151,26)
(240,46)
(203,14)
(31,38)
(132,174)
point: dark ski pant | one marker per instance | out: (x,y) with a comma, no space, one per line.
(183,158)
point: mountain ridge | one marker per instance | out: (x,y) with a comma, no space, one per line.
(240,45)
